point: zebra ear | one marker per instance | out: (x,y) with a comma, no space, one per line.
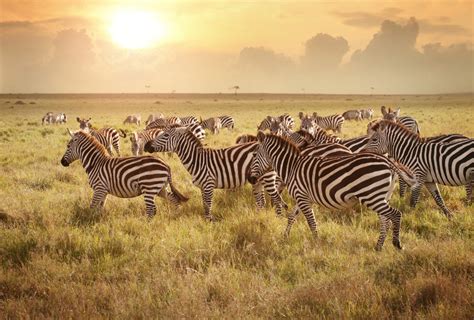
(78,119)
(269,118)
(397,112)
(301,115)
(315,114)
(384,112)
(70,133)
(260,136)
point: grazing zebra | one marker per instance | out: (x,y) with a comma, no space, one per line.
(450,164)
(108,137)
(333,122)
(334,182)
(212,124)
(210,169)
(407,121)
(153,117)
(352,115)
(367,113)
(133,119)
(227,122)
(50,118)
(162,123)
(245,138)
(122,177)
(138,139)
(188,120)
(284,119)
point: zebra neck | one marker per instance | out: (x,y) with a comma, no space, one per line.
(92,158)
(284,162)
(189,154)
(401,148)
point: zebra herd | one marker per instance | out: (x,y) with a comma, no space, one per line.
(313,165)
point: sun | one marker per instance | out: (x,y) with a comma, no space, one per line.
(135,29)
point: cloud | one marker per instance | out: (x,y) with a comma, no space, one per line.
(442,28)
(324,51)
(359,19)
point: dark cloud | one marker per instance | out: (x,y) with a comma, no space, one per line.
(441,28)
(359,19)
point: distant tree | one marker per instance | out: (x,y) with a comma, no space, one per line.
(235,88)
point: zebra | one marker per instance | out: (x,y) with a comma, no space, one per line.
(210,169)
(407,121)
(163,122)
(122,177)
(108,137)
(135,119)
(367,113)
(188,120)
(212,124)
(410,123)
(334,182)
(449,164)
(227,122)
(326,150)
(245,138)
(285,119)
(307,123)
(138,140)
(197,130)
(153,117)
(50,118)
(332,122)
(352,115)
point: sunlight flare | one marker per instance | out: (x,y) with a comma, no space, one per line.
(135,29)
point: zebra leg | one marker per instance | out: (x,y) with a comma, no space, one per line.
(109,150)
(433,189)
(305,207)
(403,187)
(117,147)
(415,193)
(98,199)
(257,190)
(469,187)
(270,185)
(291,220)
(207,192)
(150,204)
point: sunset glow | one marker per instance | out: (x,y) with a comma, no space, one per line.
(133,29)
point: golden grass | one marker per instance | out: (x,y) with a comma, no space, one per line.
(59,259)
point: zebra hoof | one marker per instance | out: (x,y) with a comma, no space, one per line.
(397,245)
(211,218)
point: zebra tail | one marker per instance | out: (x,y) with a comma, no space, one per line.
(177,194)
(404,173)
(122,133)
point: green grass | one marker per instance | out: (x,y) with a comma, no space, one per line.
(59,259)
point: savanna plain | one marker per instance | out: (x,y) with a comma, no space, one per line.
(59,259)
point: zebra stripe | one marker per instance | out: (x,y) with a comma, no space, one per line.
(326,150)
(122,177)
(138,140)
(188,120)
(153,117)
(448,164)
(212,124)
(133,119)
(332,122)
(334,182)
(227,122)
(108,137)
(210,169)
(163,123)
(245,138)
(285,119)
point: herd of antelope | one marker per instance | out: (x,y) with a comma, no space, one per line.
(313,165)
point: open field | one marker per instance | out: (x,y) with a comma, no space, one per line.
(59,259)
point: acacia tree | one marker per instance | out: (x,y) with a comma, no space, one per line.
(235,89)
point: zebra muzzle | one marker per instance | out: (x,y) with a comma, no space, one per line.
(148,147)
(252,180)
(64,162)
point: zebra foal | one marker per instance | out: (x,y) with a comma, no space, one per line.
(122,177)
(333,182)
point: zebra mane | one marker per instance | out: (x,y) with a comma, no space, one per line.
(284,141)
(97,145)
(188,134)
(396,126)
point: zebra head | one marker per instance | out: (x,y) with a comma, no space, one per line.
(71,153)
(378,141)
(167,141)
(261,161)
(136,144)
(84,124)
(276,127)
(307,124)
(390,115)
(266,123)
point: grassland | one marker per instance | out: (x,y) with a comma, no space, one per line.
(61,260)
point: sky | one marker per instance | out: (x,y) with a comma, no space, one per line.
(262,46)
